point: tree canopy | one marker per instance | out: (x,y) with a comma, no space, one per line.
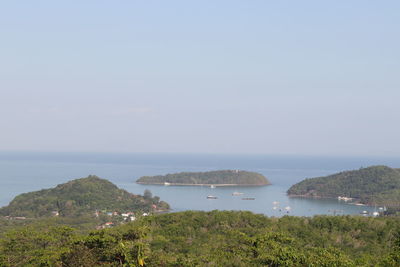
(226,177)
(79,197)
(216,238)
(378,185)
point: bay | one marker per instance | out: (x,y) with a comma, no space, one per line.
(22,172)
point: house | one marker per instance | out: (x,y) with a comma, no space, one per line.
(55,213)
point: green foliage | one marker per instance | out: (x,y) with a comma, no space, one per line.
(216,238)
(123,246)
(30,247)
(374,185)
(393,257)
(79,197)
(211,177)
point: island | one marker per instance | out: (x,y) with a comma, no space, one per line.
(91,196)
(375,185)
(210,178)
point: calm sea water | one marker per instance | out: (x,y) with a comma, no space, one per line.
(25,172)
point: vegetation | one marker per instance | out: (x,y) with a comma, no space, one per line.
(225,177)
(378,185)
(217,238)
(80,197)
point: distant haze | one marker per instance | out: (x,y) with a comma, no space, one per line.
(270,77)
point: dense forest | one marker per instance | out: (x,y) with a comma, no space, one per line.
(226,177)
(217,238)
(81,197)
(376,185)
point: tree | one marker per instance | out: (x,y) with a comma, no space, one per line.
(147,194)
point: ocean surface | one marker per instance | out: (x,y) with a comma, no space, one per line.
(22,172)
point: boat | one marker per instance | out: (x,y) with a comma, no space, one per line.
(166,183)
(345,199)
(248,198)
(237,193)
(212,186)
(211,197)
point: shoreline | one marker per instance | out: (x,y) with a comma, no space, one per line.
(320,197)
(209,185)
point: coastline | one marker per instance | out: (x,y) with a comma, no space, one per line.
(216,185)
(321,197)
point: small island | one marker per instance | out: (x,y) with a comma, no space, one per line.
(376,185)
(210,178)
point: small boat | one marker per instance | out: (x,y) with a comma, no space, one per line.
(248,198)
(345,199)
(212,186)
(211,197)
(166,183)
(237,194)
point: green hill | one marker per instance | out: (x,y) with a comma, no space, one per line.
(224,177)
(378,185)
(79,197)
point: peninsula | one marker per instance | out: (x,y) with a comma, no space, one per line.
(376,185)
(210,178)
(80,197)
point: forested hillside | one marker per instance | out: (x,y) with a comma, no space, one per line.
(225,177)
(378,185)
(78,198)
(217,238)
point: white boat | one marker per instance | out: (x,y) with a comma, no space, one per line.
(345,199)
(166,183)
(212,186)
(211,197)
(237,193)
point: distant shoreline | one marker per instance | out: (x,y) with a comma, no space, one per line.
(216,185)
(357,203)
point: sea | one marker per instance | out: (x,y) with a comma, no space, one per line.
(22,172)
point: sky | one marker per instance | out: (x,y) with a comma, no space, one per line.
(254,77)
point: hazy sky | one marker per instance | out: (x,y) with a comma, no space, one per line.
(272,77)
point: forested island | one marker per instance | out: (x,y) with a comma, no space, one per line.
(376,185)
(80,197)
(210,178)
(216,238)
